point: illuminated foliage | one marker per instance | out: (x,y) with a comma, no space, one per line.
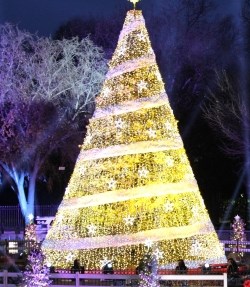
(133,191)
(37,274)
(238,233)
(47,88)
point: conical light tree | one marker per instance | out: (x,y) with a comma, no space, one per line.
(132,191)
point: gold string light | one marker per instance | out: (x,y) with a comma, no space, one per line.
(132,168)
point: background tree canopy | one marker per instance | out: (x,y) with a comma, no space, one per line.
(47,95)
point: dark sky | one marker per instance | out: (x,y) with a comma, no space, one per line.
(45,16)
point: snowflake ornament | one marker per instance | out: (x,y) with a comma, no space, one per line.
(69,257)
(169,161)
(196,211)
(158,76)
(158,254)
(82,170)
(168,206)
(195,214)
(91,229)
(129,220)
(122,50)
(143,172)
(148,243)
(105,261)
(195,248)
(142,85)
(112,184)
(141,36)
(106,92)
(119,123)
(66,190)
(88,139)
(168,126)
(151,133)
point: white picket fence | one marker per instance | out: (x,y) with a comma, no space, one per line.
(96,280)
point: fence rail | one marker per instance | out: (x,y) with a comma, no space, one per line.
(8,279)
(11,217)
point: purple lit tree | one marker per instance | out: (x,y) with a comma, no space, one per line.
(37,273)
(148,276)
(238,232)
(47,89)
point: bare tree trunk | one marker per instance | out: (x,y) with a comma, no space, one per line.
(18,179)
(32,189)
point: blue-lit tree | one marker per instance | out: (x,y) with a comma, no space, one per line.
(46,89)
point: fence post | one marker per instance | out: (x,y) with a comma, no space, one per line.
(77,279)
(225,279)
(5,278)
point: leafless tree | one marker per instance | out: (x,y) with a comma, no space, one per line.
(228,114)
(46,89)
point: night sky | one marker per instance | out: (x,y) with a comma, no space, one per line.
(45,17)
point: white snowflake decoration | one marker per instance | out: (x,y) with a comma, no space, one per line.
(122,50)
(112,184)
(70,257)
(158,254)
(148,243)
(195,211)
(141,36)
(195,214)
(66,190)
(169,161)
(196,248)
(151,133)
(88,139)
(142,85)
(105,261)
(119,123)
(91,229)
(168,126)
(129,220)
(124,172)
(82,170)
(106,92)
(143,172)
(168,206)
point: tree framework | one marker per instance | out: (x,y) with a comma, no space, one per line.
(132,191)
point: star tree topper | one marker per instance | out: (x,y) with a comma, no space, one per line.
(134,2)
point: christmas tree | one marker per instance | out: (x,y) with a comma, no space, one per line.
(30,235)
(37,274)
(238,233)
(132,191)
(149,276)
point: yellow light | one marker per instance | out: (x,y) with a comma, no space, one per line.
(131,165)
